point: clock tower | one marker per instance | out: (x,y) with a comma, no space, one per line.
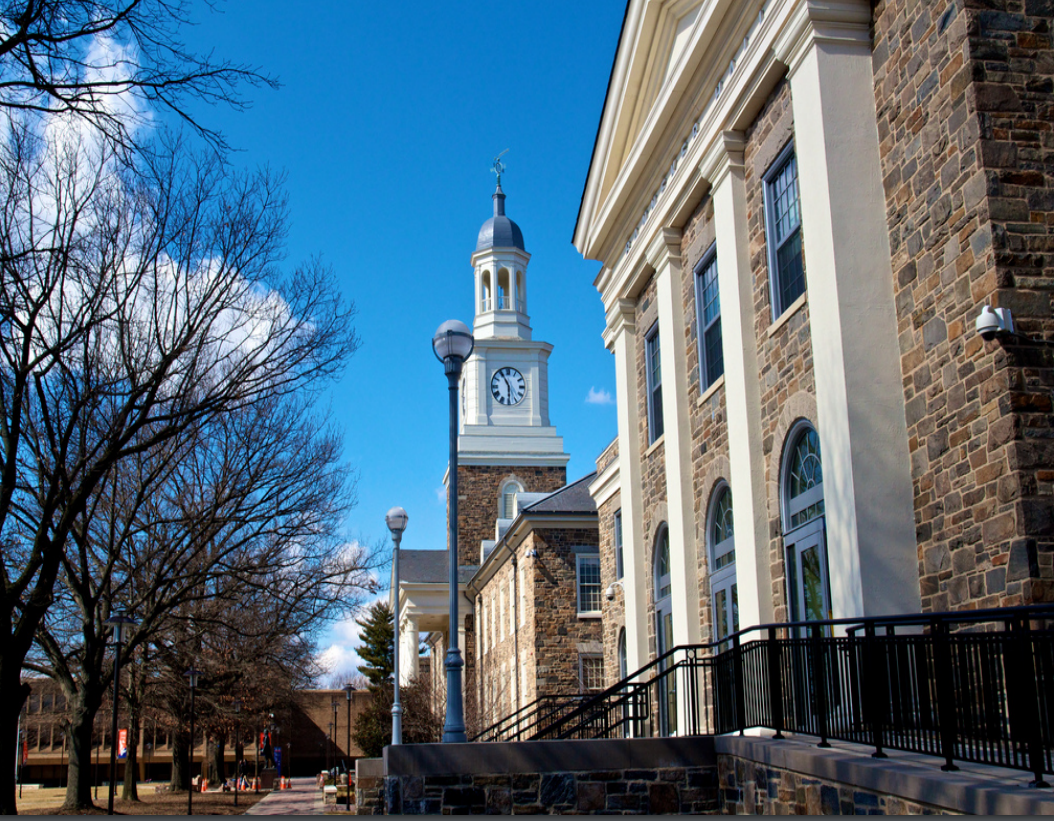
(506,443)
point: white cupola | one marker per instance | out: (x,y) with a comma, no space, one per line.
(505,383)
(500,264)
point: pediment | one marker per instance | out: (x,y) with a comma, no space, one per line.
(662,38)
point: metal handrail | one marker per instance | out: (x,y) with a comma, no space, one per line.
(985,696)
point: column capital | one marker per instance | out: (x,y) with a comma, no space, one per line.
(724,155)
(665,246)
(846,22)
(621,318)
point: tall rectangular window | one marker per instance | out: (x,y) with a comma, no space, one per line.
(653,368)
(588,568)
(708,310)
(783,228)
(619,571)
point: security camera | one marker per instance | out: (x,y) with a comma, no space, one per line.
(992,322)
(609,594)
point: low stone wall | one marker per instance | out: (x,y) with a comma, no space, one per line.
(630,777)
(369,786)
(704,775)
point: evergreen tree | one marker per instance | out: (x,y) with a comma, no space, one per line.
(378,644)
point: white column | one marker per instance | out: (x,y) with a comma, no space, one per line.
(410,637)
(620,336)
(860,401)
(664,255)
(723,166)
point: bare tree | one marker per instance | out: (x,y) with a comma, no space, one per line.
(137,310)
(109,63)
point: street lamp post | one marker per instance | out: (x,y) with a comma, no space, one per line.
(452,345)
(120,624)
(237,738)
(192,677)
(256,772)
(396,520)
(347,690)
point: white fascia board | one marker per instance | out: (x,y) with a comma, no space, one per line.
(609,118)
(756,73)
(606,484)
(646,148)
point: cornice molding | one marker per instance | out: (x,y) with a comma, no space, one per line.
(725,154)
(846,22)
(665,247)
(621,317)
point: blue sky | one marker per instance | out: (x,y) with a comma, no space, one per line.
(386,124)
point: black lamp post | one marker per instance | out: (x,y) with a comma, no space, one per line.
(237,738)
(396,520)
(333,704)
(348,688)
(192,678)
(453,344)
(121,624)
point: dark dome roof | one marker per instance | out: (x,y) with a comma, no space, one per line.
(499,231)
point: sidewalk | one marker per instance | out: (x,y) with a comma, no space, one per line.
(303,798)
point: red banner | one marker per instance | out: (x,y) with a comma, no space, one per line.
(122,744)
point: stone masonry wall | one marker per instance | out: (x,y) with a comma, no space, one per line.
(478,488)
(707,414)
(750,788)
(963,96)
(785,361)
(653,459)
(674,790)
(614,611)
(560,636)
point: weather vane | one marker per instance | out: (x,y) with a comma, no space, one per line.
(499,166)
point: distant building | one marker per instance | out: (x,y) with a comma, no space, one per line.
(305,733)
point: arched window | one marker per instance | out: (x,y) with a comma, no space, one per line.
(507,502)
(503,290)
(664,631)
(803,526)
(486,292)
(721,542)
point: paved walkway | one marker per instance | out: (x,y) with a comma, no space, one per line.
(303,798)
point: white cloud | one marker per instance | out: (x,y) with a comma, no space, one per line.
(441,494)
(599,397)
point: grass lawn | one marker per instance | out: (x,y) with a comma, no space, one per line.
(48,801)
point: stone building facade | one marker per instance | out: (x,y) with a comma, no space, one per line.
(535,635)
(800,209)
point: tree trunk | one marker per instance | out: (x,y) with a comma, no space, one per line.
(83,708)
(130,790)
(180,763)
(19,692)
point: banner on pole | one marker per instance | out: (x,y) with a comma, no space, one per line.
(122,744)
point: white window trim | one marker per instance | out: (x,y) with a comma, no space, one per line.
(589,557)
(770,229)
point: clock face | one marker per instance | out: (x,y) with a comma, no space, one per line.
(507,386)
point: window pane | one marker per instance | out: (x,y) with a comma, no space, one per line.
(588,585)
(618,545)
(656,413)
(806,473)
(791,273)
(785,199)
(715,358)
(711,305)
(592,673)
(654,375)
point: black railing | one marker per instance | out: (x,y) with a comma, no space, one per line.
(971,686)
(526,721)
